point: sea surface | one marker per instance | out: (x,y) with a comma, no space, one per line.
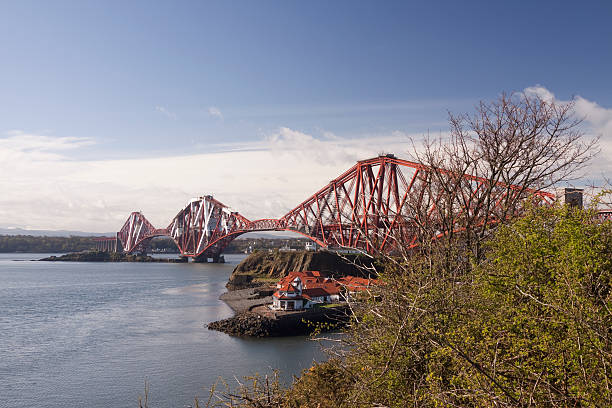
(91,334)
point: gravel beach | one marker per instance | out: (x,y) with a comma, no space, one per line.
(243,299)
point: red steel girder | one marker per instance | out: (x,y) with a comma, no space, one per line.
(375,205)
(203,228)
(137,231)
(376,208)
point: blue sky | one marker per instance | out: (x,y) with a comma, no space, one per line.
(117,81)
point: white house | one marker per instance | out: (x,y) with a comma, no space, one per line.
(294,294)
(311,246)
(289,296)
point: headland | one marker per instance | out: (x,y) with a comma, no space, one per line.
(103,256)
(267,267)
(255,279)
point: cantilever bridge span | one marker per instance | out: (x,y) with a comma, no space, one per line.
(376,205)
(202,229)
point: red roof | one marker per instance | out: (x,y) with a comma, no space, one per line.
(302,275)
(322,290)
(354,283)
(308,278)
(287,287)
(283,297)
(317,285)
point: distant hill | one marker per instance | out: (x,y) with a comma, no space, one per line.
(47,233)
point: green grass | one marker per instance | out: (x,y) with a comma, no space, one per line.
(330,305)
(266,280)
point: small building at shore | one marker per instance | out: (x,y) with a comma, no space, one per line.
(306,289)
(289,296)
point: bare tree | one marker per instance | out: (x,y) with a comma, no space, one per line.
(493,160)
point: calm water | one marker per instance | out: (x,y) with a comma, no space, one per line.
(89,334)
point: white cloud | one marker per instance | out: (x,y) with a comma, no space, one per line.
(540,91)
(597,122)
(166,112)
(18,148)
(336,149)
(22,141)
(260,179)
(215,112)
(599,118)
(263,178)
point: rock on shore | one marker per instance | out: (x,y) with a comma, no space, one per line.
(254,324)
(245,324)
(102,256)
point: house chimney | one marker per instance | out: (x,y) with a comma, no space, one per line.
(573,197)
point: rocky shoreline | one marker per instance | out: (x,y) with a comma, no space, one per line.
(262,322)
(245,324)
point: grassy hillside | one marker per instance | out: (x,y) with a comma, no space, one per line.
(266,266)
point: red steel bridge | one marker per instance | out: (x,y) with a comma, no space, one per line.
(375,205)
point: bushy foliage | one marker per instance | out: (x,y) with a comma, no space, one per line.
(546,314)
(531,325)
(323,385)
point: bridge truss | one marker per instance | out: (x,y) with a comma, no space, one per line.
(386,202)
(206,226)
(377,205)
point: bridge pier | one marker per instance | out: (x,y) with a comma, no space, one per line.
(106,244)
(205,258)
(200,259)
